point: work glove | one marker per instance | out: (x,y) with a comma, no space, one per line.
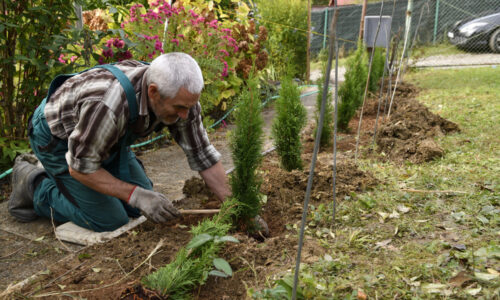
(154,205)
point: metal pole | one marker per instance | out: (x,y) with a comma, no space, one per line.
(368,81)
(362,23)
(325,26)
(334,185)
(436,19)
(407,33)
(78,12)
(313,161)
(308,53)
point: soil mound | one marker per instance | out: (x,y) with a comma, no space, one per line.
(410,131)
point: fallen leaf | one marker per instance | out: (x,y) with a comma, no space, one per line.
(361,295)
(459,279)
(328,257)
(421,221)
(61,286)
(473,292)
(403,209)
(460,247)
(485,276)
(436,288)
(394,215)
(39,239)
(96,270)
(493,271)
(382,243)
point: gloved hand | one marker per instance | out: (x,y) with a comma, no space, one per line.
(154,205)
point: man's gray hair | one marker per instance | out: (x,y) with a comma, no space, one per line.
(174,70)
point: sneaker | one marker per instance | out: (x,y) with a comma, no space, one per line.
(24,174)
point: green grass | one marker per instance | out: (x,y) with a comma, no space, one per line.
(443,238)
(444,48)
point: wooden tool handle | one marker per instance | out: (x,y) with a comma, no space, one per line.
(198,211)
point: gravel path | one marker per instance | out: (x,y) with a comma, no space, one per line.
(458,60)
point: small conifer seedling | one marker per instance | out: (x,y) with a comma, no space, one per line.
(327,131)
(287,126)
(246,145)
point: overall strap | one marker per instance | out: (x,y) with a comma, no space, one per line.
(128,88)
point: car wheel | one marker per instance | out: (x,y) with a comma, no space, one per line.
(495,41)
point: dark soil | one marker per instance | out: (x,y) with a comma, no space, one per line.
(113,270)
(409,133)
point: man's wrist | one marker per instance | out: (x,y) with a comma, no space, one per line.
(130,194)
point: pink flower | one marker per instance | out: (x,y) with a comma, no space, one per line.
(127,55)
(118,43)
(175,41)
(180,35)
(226,30)
(158,45)
(213,24)
(101,60)
(210,34)
(193,14)
(73,58)
(224,52)
(107,53)
(224,71)
(61,59)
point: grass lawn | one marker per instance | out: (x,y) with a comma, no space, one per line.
(394,244)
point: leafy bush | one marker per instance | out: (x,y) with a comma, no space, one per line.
(226,47)
(288,123)
(35,39)
(327,131)
(377,71)
(287,24)
(352,90)
(246,145)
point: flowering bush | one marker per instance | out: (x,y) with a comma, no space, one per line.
(226,50)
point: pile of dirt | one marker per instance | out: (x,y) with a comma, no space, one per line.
(409,133)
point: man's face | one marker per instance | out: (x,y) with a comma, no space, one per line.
(169,110)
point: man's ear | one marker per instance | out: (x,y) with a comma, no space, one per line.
(153,91)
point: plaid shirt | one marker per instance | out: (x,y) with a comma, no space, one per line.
(90,110)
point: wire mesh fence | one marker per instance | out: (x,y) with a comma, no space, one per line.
(470,25)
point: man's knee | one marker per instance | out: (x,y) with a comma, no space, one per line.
(112,223)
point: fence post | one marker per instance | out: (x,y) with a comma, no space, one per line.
(436,22)
(325,28)
(78,12)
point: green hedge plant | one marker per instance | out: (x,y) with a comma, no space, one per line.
(290,119)
(246,145)
(352,90)
(327,131)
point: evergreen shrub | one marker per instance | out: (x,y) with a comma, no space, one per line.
(289,121)
(352,90)
(246,145)
(327,131)
(377,69)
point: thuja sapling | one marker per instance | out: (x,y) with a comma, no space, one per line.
(352,90)
(246,145)
(289,121)
(327,131)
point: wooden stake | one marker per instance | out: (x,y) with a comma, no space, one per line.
(198,211)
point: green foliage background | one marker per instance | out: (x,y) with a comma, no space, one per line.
(287,126)
(287,24)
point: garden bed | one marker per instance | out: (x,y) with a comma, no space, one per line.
(115,268)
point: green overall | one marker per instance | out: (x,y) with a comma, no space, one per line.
(69,199)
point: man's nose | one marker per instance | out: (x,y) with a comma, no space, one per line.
(183,114)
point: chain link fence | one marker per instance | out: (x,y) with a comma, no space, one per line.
(470,25)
